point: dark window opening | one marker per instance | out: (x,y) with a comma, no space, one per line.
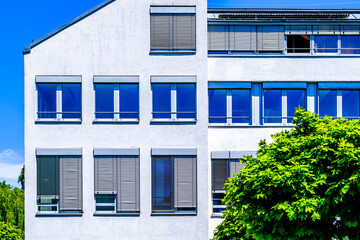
(298,44)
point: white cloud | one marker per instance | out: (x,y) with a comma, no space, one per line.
(10,156)
(10,171)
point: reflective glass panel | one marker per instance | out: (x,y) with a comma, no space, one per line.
(325,44)
(161,100)
(104,106)
(217,106)
(295,98)
(350,104)
(162,183)
(71,100)
(129,101)
(46,100)
(241,106)
(350,44)
(327,103)
(272,106)
(185,101)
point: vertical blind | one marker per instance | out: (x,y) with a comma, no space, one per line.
(172,31)
(185,182)
(119,175)
(219,174)
(70,183)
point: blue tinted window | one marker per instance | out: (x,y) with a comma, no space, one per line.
(350,44)
(272,106)
(350,104)
(129,100)
(325,44)
(161,100)
(295,98)
(162,183)
(185,94)
(327,103)
(104,106)
(217,106)
(241,106)
(71,100)
(46,100)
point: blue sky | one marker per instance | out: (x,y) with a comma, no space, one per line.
(23,21)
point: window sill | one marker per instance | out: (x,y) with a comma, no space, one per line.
(55,120)
(113,120)
(116,214)
(167,120)
(226,125)
(172,52)
(172,214)
(39,214)
(216,215)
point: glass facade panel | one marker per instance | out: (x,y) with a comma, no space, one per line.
(350,44)
(162,183)
(46,100)
(241,106)
(71,100)
(217,106)
(161,100)
(104,103)
(272,106)
(327,103)
(325,44)
(295,98)
(129,101)
(350,104)
(186,95)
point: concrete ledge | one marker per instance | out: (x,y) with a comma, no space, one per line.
(173,214)
(58,214)
(98,214)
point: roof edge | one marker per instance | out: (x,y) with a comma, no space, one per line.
(27,49)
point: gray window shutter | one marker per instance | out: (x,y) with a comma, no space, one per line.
(184,31)
(326,29)
(242,38)
(128,197)
(218,38)
(270,38)
(48,176)
(298,30)
(161,31)
(70,183)
(185,182)
(350,29)
(219,174)
(105,175)
(235,166)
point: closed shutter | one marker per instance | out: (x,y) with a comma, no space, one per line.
(235,166)
(326,29)
(161,26)
(105,175)
(242,38)
(219,174)
(128,184)
(350,29)
(270,38)
(218,38)
(298,30)
(185,182)
(70,184)
(48,176)
(184,31)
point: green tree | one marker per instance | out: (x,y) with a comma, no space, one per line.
(21,178)
(9,232)
(303,185)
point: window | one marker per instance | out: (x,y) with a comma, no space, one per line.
(229,102)
(298,44)
(223,165)
(117,181)
(172,29)
(339,100)
(173,100)
(116,98)
(59,182)
(326,44)
(350,44)
(173,182)
(59,98)
(279,104)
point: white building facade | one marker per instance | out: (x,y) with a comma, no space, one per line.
(137,111)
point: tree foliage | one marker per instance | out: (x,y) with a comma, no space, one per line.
(21,178)
(303,185)
(9,232)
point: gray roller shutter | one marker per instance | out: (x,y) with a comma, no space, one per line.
(161,31)
(298,30)
(350,29)
(184,31)
(70,184)
(235,166)
(219,174)
(270,38)
(128,184)
(105,175)
(48,176)
(218,38)
(185,182)
(326,29)
(242,38)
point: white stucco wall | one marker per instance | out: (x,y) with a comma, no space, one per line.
(116,41)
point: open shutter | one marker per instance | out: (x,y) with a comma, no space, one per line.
(218,38)
(105,175)
(219,174)
(242,38)
(48,176)
(128,198)
(161,31)
(270,38)
(185,182)
(184,31)
(70,184)
(235,166)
